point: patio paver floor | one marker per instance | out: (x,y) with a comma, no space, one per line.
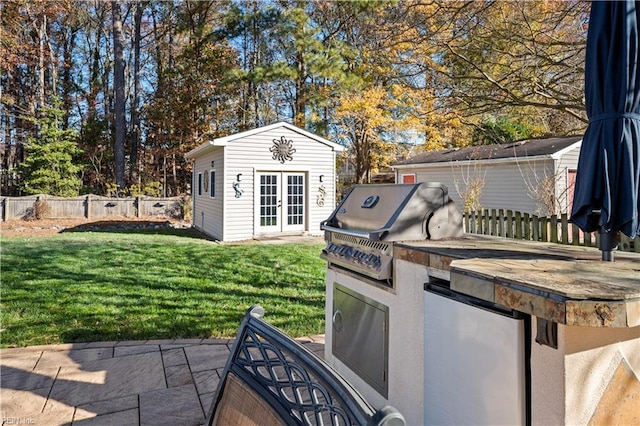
(154,382)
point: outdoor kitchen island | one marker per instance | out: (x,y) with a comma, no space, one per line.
(577,360)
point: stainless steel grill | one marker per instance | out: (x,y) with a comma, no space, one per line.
(361,230)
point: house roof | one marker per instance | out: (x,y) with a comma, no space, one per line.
(553,147)
(224,141)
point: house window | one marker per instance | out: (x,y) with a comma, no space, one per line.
(212,183)
(199,183)
(409,178)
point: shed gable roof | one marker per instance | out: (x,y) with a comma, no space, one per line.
(226,140)
(526,148)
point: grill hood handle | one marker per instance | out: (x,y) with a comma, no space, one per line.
(377,235)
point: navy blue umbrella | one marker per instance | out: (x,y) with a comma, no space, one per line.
(606,196)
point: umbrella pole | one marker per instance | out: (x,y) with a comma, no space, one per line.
(608,242)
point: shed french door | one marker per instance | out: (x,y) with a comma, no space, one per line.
(282,202)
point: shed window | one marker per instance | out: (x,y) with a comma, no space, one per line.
(212,184)
(199,183)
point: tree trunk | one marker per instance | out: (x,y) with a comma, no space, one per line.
(119,101)
(67,79)
(299,117)
(41,80)
(135,117)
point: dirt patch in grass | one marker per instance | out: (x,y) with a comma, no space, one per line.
(33,228)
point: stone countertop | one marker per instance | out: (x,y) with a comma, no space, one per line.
(569,285)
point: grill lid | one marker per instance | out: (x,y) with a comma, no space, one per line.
(391,212)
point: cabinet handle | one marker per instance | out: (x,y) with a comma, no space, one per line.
(337,321)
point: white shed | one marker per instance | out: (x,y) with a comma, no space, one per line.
(273,180)
(532,176)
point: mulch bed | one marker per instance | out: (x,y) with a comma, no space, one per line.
(22,228)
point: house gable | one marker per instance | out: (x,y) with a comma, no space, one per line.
(226,140)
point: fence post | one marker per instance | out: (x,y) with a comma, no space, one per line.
(138,206)
(527,227)
(625,242)
(87,207)
(564,228)
(575,235)
(500,223)
(587,239)
(544,228)
(5,201)
(472,224)
(554,229)
(518,220)
(487,227)
(494,229)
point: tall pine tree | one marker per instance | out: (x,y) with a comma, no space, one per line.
(49,166)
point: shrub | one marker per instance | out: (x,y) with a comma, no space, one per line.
(40,210)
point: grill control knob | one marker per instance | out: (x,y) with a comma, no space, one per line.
(376,263)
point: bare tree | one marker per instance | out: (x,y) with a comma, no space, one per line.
(135,107)
(469,181)
(544,186)
(119,89)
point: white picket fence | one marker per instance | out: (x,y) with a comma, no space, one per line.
(524,226)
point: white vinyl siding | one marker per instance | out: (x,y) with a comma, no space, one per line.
(509,184)
(251,155)
(506,186)
(208,211)
(233,166)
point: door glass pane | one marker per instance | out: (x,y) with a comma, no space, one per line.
(268,200)
(295,199)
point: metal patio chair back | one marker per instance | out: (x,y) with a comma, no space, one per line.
(271,379)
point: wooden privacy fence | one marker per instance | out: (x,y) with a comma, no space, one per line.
(523,226)
(89,206)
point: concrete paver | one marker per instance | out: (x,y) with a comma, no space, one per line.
(134,350)
(172,357)
(110,378)
(206,399)
(107,406)
(154,382)
(15,378)
(206,357)
(178,375)
(16,403)
(21,359)
(119,418)
(206,381)
(75,357)
(173,406)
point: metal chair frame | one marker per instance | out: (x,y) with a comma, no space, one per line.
(299,386)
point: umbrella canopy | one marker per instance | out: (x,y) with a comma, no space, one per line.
(606,196)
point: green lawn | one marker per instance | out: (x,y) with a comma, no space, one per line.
(93,286)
